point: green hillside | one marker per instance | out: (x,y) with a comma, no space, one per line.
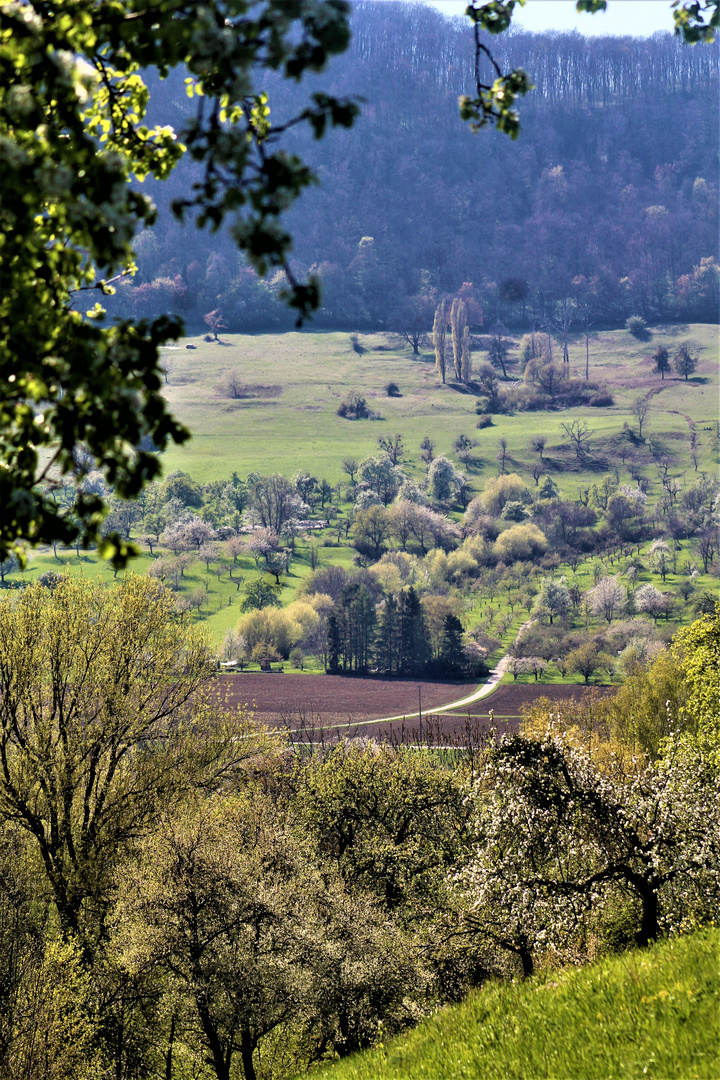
(292,385)
(643,1014)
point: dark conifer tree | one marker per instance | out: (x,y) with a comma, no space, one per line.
(451,649)
(387,645)
(414,644)
(355,618)
(334,644)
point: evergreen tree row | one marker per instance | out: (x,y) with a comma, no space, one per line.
(393,640)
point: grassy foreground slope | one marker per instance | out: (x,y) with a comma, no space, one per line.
(654,1013)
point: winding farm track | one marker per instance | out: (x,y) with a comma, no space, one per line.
(313,705)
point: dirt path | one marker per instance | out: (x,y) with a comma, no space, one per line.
(481,692)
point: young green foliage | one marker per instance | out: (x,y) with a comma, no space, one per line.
(76,395)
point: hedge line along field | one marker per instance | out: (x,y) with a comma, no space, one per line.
(290,387)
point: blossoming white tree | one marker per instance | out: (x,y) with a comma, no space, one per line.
(559,841)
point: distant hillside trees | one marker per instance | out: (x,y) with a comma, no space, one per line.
(613,201)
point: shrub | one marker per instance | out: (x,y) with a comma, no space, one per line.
(485,421)
(503,489)
(520,542)
(392,390)
(354,407)
(602,400)
(297,658)
(262,650)
(637,327)
(514,511)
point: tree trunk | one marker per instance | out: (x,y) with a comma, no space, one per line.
(220,1061)
(649,928)
(246,1052)
(169,1054)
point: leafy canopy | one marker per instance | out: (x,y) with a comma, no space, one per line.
(77,395)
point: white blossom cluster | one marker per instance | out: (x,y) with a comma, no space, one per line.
(559,841)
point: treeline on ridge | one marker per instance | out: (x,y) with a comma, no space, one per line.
(610,188)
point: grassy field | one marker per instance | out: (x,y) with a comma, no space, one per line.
(221,610)
(287,422)
(652,1014)
(296,381)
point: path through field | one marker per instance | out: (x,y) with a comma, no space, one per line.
(452,706)
(312,707)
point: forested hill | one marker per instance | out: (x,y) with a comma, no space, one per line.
(610,191)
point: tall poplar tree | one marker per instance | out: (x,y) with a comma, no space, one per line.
(439,332)
(458,323)
(465,361)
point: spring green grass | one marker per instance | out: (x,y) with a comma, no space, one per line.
(292,424)
(221,610)
(645,1014)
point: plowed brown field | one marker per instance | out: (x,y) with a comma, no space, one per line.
(328,702)
(510,699)
(334,699)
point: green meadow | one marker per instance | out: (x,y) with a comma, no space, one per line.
(295,382)
(285,420)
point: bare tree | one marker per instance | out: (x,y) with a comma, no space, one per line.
(231,385)
(640,409)
(393,447)
(578,434)
(707,546)
(560,322)
(427,451)
(585,299)
(499,348)
(463,447)
(538,444)
(350,466)
(167,366)
(412,319)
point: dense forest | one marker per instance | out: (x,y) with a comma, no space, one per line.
(608,197)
